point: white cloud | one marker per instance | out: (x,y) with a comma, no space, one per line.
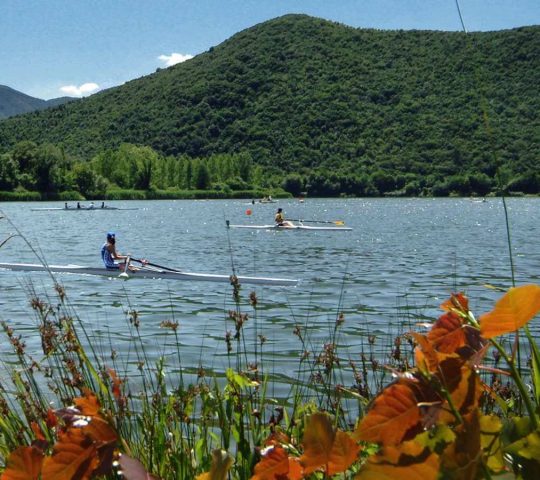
(174,58)
(81,90)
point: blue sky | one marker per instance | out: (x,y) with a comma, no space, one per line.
(51,48)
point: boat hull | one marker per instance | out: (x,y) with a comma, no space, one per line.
(145,273)
(73,209)
(294,227)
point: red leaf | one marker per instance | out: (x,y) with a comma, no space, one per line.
(116,384)
(274,463)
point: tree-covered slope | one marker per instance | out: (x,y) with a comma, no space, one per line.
(300,93)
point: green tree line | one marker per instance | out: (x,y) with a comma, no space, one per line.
(48,171)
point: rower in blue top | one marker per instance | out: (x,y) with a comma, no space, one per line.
(111,258)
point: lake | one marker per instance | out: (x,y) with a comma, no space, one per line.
(402,259)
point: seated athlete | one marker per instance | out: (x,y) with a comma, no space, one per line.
(280,219)
(111,258)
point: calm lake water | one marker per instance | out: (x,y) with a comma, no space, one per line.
(402,259)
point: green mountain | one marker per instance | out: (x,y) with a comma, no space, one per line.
(13,102)
(302,94)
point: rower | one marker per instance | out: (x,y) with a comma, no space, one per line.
(280,219)
(111,258)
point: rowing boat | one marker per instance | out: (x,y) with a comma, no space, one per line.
(145,272)
(75,209)
(292,227)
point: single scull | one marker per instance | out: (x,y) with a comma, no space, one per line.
(291,227)
(146,272)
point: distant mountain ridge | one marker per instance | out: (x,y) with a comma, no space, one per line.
(299,93)
(13,102)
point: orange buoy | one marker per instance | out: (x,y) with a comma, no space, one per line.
(248,211)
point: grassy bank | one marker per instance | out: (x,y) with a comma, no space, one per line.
(153,194)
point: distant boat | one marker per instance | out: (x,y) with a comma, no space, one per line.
(78,209)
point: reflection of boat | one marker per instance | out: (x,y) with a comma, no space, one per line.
(146,272)
(75,209)
(291,227)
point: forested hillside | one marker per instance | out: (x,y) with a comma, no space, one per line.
(337,109)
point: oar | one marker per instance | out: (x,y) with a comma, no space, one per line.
(156,265)
(124,274)
(335,222)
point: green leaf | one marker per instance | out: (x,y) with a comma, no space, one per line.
(437,438)
(528,447)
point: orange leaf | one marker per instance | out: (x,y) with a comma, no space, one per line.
(273,464)
(344,453)
(462,383)
(425,356)
(38,432)
(296,472)
(24,463)
(462,459)
(87,405)
(100,431)
(458,301)
(277,437)
(395,415)
(428,469)
(324,448)
(512,311)
(318,441)
(447,334)
(74,456)
(116,384)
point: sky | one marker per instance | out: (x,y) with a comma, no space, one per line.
(54,48)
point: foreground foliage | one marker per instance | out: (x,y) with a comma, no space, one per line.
(437,420)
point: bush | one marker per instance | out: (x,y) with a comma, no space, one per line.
(20,196)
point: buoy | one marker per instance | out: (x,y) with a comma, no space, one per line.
(248,211)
